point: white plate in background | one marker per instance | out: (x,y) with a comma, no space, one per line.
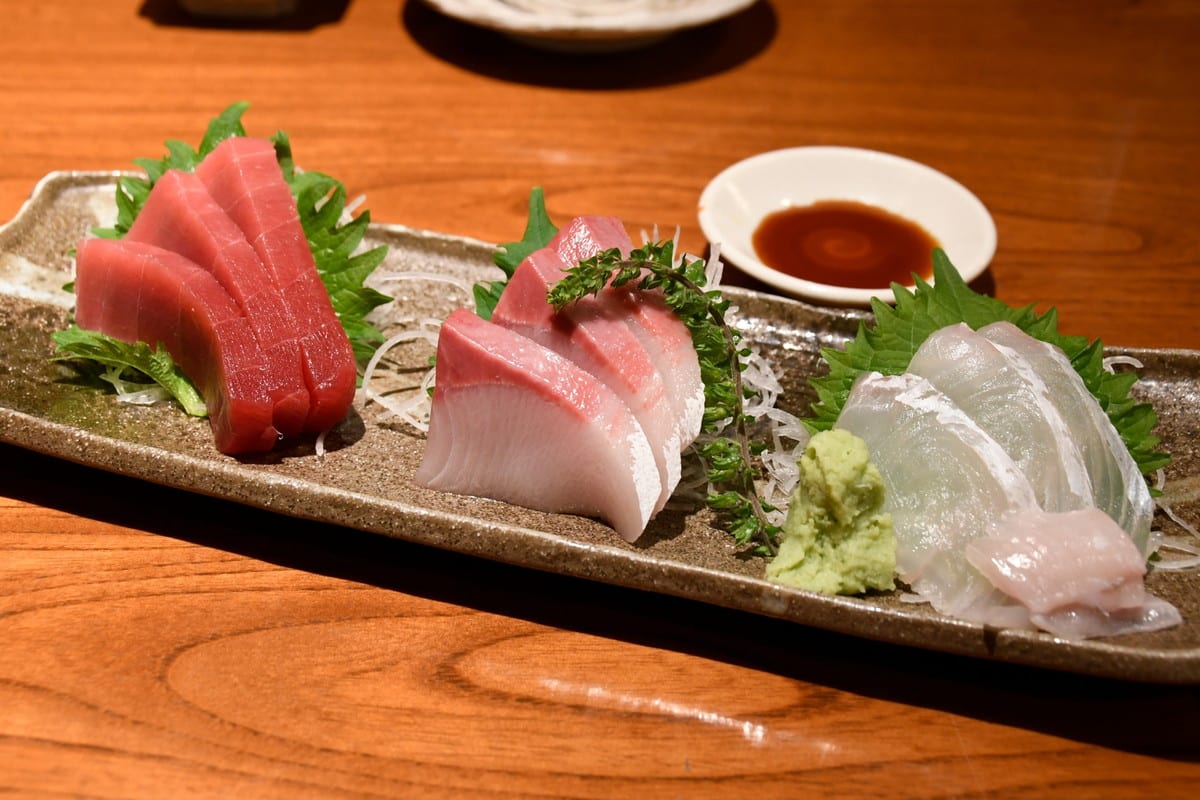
(588,25)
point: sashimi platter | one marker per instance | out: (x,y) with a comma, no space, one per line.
(940,471)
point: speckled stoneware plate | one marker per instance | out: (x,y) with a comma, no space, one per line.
(365,479)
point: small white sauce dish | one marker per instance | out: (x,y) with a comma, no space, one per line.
(736,201)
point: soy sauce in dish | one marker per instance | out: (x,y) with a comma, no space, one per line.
(844,243)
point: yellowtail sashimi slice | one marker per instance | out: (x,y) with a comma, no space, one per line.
(515,421)
(603,345)
(669,345)
(657,327)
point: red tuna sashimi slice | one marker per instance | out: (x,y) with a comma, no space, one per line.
(138,292)
(243,176)
(514,421)
(601,344)
(181,216)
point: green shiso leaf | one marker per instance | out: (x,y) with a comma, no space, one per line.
(132,190)
(539,231)
(890,344)
(320,202)
(137,363)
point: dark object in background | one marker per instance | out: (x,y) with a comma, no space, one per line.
(239,9)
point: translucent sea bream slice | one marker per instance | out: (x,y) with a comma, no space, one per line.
(1118,487)
(999,390)
(1077,572)
(947,482)
(971,536)
(515,421)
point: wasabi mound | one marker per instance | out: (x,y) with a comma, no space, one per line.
(837,538)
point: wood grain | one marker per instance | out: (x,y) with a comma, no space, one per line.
(156,644)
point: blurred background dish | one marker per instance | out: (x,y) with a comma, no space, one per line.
(883,198)
(239,9)
(588,25)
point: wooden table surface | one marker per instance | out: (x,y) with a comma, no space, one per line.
(158,644)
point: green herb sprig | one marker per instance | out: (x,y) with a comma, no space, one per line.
(539,231)
(889,345)
(729,452)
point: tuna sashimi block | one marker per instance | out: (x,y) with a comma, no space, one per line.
(181,216)
(243,176)
(515,421)
(134,291)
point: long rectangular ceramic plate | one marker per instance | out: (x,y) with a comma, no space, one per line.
(364,480)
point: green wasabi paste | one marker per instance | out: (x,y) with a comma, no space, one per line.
(837,538)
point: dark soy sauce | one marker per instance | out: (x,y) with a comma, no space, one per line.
(844,243)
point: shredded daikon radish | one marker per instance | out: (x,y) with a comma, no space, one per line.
(136,393)
(1112,361)
(415,409)
(1170,512)
(1165,501)
(1179,545)
(141,397)
(1181,491)
(352,206)
(714,270)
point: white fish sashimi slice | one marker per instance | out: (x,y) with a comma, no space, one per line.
(946,481)
(999,390)
(514,421)
(1078,573)
(1118,487)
